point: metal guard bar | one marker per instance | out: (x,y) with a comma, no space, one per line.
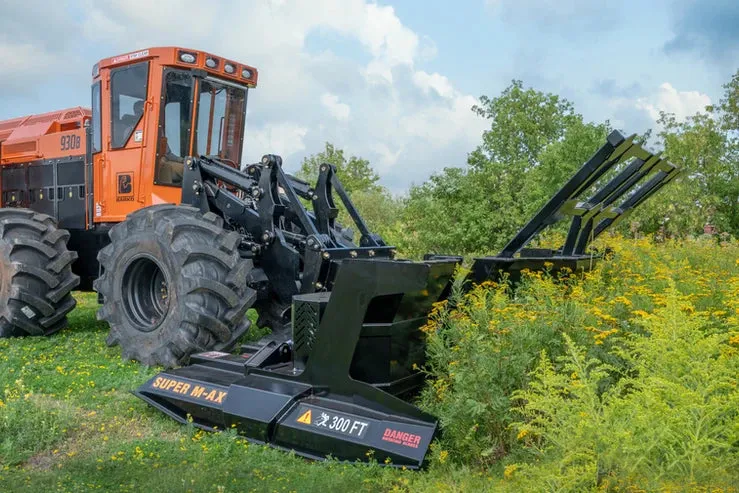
(645,174)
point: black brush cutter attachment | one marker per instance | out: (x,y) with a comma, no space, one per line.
(336,393)
(334,386)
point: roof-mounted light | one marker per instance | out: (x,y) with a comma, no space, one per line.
(229,68)
(187,57)
(211,62)
(246,73)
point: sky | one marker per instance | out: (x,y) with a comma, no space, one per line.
(392,82)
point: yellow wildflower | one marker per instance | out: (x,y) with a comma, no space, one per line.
(509,470)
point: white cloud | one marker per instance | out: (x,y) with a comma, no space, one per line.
(388,157)
(284,138)
(388,39)
(668,99)
(440,126)
(338,110)
(24,60)
(378,102)
(643,113)
(161,20)
(439,83)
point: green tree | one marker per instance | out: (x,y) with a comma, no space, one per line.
(355,173)
(375,203)
(729,105)
(706,147)
(523,123)
(535,142)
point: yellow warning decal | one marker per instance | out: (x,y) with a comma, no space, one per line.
(305,418)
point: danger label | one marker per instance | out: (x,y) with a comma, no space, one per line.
(401,438)
(306,418)
(332,421)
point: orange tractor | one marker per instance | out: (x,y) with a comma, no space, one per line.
(144,199)
(68,177)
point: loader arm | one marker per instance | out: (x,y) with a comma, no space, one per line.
(299,250)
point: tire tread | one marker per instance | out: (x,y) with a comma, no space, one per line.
(39,273)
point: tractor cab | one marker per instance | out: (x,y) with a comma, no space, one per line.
(153,108)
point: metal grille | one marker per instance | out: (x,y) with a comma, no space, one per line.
(50,117)
(72,114)
(306,316)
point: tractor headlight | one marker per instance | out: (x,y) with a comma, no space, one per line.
(187,57)
(229,68)
(246,73)
(211,62)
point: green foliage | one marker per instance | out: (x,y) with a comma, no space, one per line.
(706,147)
(481,352)
(524,122)
(730,104)
(535,143)
(672,419)
(638,385)
(355,173)
(380,210)
(707,191)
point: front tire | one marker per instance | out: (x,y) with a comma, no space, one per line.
(36,279)
(173,284)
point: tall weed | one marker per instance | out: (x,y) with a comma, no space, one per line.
(637,386)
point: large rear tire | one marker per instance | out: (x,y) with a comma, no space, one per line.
(36,279)
(173,284)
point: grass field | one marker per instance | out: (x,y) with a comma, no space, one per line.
(69,423)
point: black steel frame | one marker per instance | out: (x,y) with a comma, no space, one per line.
(642,174)
(298,250)
(352,297)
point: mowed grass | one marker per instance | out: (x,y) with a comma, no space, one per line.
(68,422)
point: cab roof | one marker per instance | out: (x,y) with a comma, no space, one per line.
(185,58)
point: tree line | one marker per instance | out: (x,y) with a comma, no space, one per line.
(535,142)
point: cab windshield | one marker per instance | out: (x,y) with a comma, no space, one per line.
(220,123)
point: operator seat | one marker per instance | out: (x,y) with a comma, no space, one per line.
(128,122)
(171,168)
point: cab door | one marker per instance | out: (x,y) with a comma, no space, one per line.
(175,134)
(126,117)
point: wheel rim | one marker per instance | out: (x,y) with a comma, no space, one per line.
(145,294)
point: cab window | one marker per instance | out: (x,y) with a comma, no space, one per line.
(128,92)
(97,140)
(175,129)
(220,126)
